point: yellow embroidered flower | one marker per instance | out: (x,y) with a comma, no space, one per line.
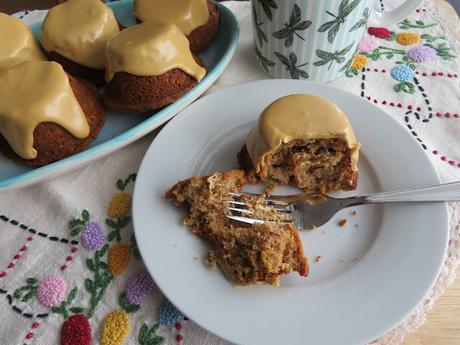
(116,328)
(407,38)
(359,61)
(120,205)
(118,258)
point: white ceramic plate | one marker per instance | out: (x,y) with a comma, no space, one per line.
(122,129)
(368,278)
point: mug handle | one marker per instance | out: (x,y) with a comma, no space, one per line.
(395,16)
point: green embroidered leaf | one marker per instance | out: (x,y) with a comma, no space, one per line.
(124,304)
(407,24)
(76,231)
(77,310)
(157,341)
(17,293)
(56,310)
(103,265)
(72,295)
(31,281)
(111,223)
(124,221)
(392,37)
(85,215)
(142,337)
(90,264)
(89,285)
(112,235)
(120,185)
(419,22)
(101,252)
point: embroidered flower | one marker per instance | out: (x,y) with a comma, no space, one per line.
(383,33)
(120,205)
(116,328)
(93,236)
(402,73)
(367,45)
(138,286)
(118,258)
(51,291)
(407,38)
(76,330)
(422,54)
(169,314)
(359,61)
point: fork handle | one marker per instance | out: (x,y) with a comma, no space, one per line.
(438,193)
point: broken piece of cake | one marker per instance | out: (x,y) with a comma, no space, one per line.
(247,254)
(303,140)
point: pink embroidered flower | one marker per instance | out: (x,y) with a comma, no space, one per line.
(367,45)
(383,33)
(51,291)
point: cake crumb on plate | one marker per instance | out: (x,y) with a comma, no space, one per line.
(342,222)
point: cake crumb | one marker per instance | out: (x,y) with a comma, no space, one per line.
(354,213)
(355,259)
(317,258)
(310,227)
(195,258)
(341,261)
(342,222)
(211,260)
(356,226)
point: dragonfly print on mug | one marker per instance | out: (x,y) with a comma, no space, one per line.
(314,39)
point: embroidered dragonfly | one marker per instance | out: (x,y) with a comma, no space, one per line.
(264,61)
(328,57)
(332,27)
(290,29)
(268,5)
(260,34)
(291,65)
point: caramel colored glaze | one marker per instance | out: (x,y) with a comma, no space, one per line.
(150,49)
(186,14)
(36,92)
(79,30)
(297,117)
(17,43)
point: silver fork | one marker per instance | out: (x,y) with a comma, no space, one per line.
(305,215)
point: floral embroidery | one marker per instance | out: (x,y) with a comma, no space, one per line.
(51,291)
(138,286)
(359,61)
(116,328)
(64,307)
(102,278)
(148,336)
(404,74)
(125,305)
(118,258)
(407,38)
(382,33)
(422,54)
(119,206)
(368,44)
(169,314)
(418,24)
(93,236)
(25,293)
(76,330)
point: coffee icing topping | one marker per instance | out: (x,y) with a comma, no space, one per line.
(35,92)
(17,43)
(186,14)
(79,30)
(150,49)
(299,117)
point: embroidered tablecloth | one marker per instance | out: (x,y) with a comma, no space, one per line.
(69,266)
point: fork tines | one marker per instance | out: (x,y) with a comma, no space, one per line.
(240,210)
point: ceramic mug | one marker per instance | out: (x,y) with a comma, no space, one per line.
(314,39)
